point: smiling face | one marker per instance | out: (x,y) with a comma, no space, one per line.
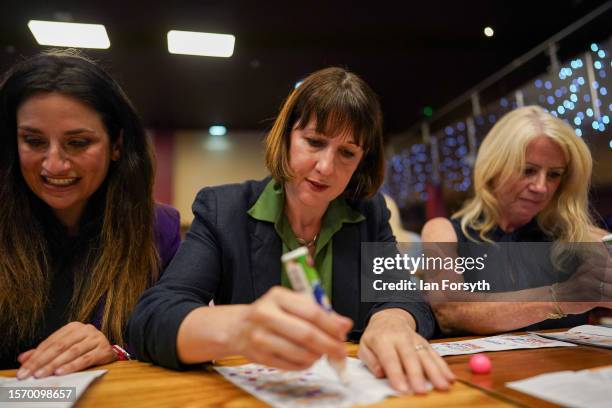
(322,166)
(64,152)
(531,192)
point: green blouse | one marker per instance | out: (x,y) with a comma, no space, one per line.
(270,207)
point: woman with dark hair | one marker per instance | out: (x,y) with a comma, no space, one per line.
(325,155)
(80,235)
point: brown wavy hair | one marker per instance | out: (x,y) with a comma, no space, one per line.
(125,261)
(339,101)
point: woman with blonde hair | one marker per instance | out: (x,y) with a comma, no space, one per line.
(531,184)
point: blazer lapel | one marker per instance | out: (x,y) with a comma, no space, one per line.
(266,251)
(346,273)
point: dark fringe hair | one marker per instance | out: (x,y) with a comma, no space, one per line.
(340,102)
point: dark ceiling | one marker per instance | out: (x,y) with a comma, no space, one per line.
(413,53)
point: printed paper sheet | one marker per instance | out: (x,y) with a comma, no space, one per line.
(80,381)
(318,386)
(588,335)
(586,388)
(496,343)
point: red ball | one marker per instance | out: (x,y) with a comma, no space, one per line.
(480,364)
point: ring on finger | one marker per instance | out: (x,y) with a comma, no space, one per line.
(419,347)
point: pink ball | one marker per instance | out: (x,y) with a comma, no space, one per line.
(480,364)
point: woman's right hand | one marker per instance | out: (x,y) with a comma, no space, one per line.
(589,287)
(288,330)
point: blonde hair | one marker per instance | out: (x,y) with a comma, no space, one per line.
(501,158)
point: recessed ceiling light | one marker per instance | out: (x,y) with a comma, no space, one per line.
(216,141)
(69,34)
(204,44)
(488,31)
(217,130)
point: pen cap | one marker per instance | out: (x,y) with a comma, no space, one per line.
(296,264)
(296,253)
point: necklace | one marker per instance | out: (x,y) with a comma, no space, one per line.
(308,244)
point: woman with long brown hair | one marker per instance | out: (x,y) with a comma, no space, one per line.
(78,225)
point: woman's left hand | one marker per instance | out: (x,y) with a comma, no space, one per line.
(391,347)
(73,347)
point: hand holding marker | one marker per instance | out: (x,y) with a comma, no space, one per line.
(304,279)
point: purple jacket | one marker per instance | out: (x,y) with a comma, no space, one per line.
(166,229)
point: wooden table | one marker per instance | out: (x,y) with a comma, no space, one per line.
(516,365)
(136,384)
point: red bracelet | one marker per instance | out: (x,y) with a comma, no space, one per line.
(121,354)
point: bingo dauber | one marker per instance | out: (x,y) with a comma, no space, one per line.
(305,279)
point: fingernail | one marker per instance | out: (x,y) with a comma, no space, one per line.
(403,388)
(419,387)
(59,371)
(39,373)
(23,373)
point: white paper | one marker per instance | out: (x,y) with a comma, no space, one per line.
(496,343)
(589,335)
(586,388)
(318,386)
(80,380)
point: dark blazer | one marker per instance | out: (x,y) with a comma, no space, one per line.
(233,258)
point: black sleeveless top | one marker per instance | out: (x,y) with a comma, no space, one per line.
(67,255)
(521,266)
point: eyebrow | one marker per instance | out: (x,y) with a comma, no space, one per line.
(551,168)
(314,130)
(79,131)
(29,129)
(68,133)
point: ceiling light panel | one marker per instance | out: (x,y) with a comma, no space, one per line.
(77,35)
(202,44)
